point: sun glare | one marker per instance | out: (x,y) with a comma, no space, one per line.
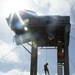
(10,6)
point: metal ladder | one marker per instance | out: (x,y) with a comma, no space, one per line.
(60,69)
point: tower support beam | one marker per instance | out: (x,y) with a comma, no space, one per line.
(66,51)
(34,59)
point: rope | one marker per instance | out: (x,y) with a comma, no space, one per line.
(46,54)
(8,53)
(25,66)
(69,57)
(72,37)
(72,62)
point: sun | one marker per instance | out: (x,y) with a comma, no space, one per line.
(10,6)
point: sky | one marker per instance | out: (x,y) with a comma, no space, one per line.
(13,63)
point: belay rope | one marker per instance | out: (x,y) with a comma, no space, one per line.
(46,54)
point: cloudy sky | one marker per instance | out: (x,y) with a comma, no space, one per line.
(13,63)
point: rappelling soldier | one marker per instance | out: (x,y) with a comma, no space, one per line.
(46,69)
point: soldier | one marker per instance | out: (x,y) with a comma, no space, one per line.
(46,69)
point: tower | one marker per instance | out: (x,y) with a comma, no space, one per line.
(42,31)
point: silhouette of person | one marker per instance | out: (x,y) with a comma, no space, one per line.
(46,69)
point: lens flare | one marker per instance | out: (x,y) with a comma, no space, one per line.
(25,28)
(23,22)
(34,44)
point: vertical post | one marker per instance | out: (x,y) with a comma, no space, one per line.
(59,58)
(66,51)
(34,59)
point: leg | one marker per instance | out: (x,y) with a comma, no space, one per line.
(48,72)
(45,72)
